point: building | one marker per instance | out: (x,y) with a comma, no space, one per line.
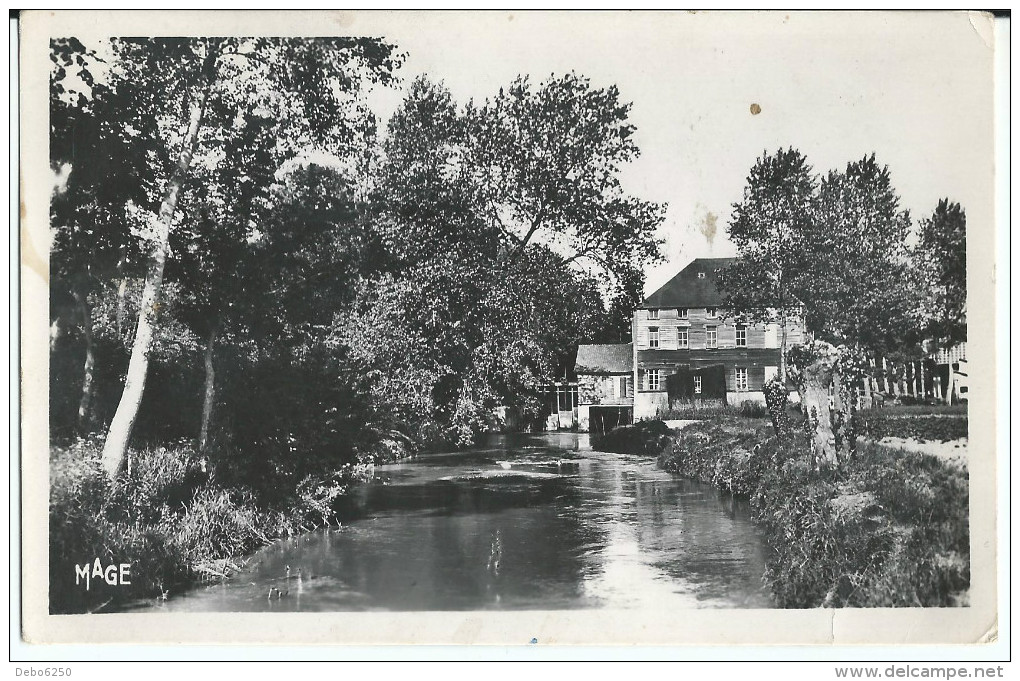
(683,326)
(605,386)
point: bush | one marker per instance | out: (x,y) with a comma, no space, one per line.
(752,409)
(890,529)
(644,437)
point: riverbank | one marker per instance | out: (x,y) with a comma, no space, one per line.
(171,518)
(891,529)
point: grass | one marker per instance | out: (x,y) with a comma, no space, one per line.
(172,522)
(889,530)
(747,409)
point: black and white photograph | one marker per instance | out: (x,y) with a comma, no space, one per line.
(656,326)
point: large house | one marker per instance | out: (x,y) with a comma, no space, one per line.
(680,329)
(683,326)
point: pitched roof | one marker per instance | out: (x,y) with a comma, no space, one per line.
(605,359)
(687,289)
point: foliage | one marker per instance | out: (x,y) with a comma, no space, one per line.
(768,228)
(856,286)
(940,263)
(644,437)
(547,160)
(880,423)
(173,519)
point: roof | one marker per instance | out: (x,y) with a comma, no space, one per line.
(687,289)
(605,359)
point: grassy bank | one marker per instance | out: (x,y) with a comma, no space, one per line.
(891,529)
(172,518)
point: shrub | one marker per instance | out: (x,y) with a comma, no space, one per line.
(644,437)
(752,409)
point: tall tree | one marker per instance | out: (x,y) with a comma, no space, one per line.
(491,215)
(547,162)
(96,146)
(940,263)
(857,295)
(857,283)
(768,227)
(310,86)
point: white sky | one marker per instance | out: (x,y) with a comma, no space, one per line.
(914,88)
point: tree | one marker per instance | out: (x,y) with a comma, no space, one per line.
(940,264)
(493,217)
(856,282)
(546,164)
(856,293)
(309,86)
(768,228)
(93,148)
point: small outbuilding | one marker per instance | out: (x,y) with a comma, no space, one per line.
(605,386)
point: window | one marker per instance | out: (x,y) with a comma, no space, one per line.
(711,312)
(740,374)
(681,338)
(701,275)
(741,336)
(697,384)
(712,336)
(653,336)
(653,314)
(681,312)
(652,379)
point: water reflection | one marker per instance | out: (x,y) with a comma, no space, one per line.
(529,522)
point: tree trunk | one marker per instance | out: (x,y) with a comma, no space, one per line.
(816,380)
(115,448)
(845,405)
(782,344)
(121,293)
(85,404)
(210,388)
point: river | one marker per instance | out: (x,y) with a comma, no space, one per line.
(526,522)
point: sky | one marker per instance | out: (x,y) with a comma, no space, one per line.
(915,89)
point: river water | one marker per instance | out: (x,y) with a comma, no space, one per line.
(527,522)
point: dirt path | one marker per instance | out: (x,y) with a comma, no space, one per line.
(953,451)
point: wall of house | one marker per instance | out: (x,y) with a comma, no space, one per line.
(605,389)
(696,323)
(761,364)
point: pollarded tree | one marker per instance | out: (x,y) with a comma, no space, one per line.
(940,264)
(768,227)
(195,89)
